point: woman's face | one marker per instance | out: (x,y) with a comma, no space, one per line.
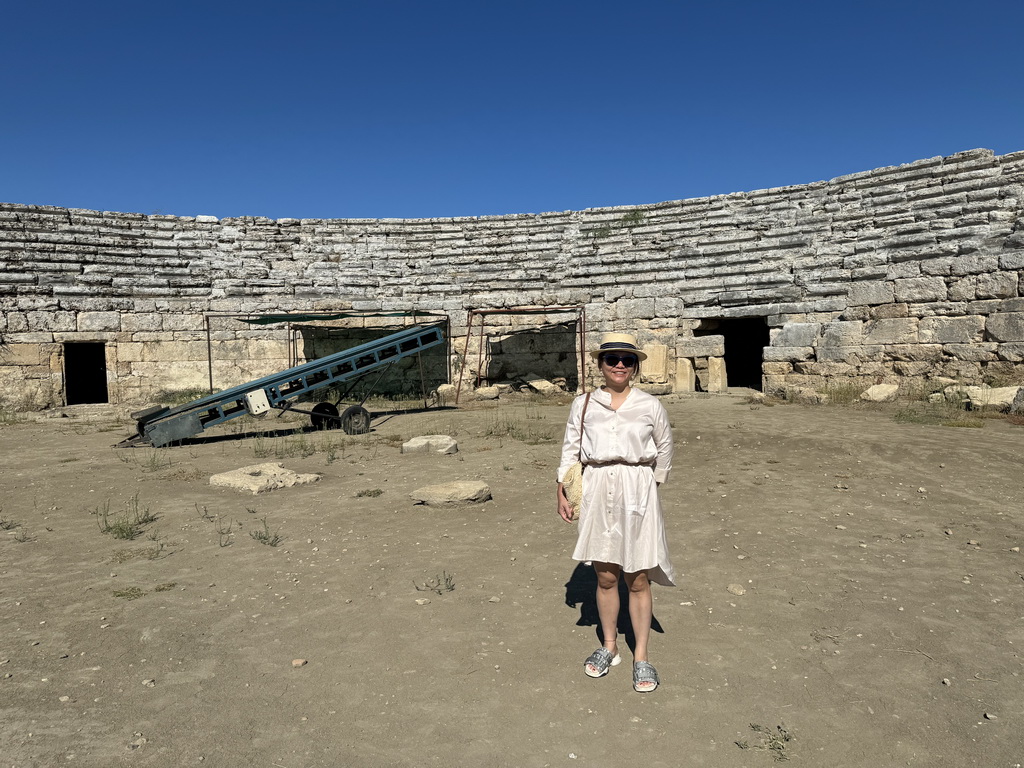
(618,368)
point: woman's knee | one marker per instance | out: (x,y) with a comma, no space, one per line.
(638,582)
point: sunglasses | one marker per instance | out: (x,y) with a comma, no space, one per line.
(628,361)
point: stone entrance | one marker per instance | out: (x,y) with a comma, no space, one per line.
(85,373)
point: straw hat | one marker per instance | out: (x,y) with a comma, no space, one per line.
(618,342)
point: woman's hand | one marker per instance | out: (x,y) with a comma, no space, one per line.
(564,507)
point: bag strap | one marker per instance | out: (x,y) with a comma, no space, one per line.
(584,413)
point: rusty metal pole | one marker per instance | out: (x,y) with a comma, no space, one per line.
(465,352)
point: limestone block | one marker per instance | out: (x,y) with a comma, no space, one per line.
(486,393)
(883,311)
(655,389)
(776,369)
(445,394)
(540,384)
(701,346)
(1017,406)
(1000,285)
(1002,398)
(785,354)
(717,380)
(912,369)
(841,333)
(260,478)
(23,354)
(99,321)
(451,494)
(442,444)
(880,393)
(920,289)
(1012,260)
(797,335)
(963,289)
(654,369)
(805,395)
(51,321)
(980,352)
(871,293)
(951,330)
(635,309)
(913,352)
(852,354)
(891,331)
(132,321)
(685,376)
(1012,352)
(1005,326)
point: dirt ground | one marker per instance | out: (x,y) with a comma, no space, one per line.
(882,621)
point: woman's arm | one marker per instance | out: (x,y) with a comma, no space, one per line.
(662,435)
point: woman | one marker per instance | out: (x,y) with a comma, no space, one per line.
(627,453)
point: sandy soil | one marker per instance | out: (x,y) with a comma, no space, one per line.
(882,622)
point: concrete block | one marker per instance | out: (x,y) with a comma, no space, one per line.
(452,494)
(261,478)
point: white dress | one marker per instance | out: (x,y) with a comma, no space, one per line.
(627,453)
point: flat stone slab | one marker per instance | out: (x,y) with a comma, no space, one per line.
(880,393)
(260,478)
(453,493)
(540,384)
(431,444)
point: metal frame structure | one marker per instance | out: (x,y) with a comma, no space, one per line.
(290,329)
(581,317)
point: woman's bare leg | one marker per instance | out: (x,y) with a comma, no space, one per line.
(608,602)
(640,611)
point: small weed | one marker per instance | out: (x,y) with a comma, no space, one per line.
(439,584)
(129,525)
(204,513)
(131,593)
(844,393)
(224,532)
(7,525)
(939,414)
(22,536)
(633,217)
(265,536)
(68,460)
(155,461)
(146,553)
(772,741)
(371,492)
(165,587)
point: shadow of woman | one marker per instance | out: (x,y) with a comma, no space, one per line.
(581,590)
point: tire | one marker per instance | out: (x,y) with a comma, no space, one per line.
(355,420)
(321,417)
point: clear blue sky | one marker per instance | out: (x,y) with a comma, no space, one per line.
(409,108)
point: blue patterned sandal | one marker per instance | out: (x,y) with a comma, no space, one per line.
(645,677)
(598,663)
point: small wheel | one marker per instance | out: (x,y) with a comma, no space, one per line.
(355,420)
(321,417)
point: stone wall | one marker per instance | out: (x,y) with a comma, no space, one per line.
(899,273)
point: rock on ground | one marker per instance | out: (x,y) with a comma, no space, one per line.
(880,393)
(456,492)
(431,444)
(260,478)
(540,384)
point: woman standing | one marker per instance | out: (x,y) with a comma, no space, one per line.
(627,453)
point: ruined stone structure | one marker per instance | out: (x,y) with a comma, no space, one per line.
(896,274)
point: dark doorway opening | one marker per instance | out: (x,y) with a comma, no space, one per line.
(745,339)
(85,373)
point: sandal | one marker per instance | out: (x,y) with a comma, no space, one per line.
(599,661)
(645,677)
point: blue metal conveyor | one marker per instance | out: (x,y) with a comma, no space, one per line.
(161,425)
